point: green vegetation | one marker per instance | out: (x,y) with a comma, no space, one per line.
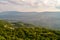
(23,31)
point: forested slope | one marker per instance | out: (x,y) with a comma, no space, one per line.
(23,31)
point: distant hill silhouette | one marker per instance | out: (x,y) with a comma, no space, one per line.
(51,19)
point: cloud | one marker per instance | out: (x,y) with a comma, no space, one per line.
(30,2)
(29,5)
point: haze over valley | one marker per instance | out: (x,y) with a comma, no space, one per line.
(50,19)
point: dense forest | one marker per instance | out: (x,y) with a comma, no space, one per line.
(24,31)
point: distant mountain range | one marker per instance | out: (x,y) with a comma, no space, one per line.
(51,19)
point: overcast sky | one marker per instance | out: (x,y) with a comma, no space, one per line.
(30,5)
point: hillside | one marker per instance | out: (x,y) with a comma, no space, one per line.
(23,31)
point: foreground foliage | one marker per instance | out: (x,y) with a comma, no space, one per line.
(26,32)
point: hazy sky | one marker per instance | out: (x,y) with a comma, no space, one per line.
(30,5)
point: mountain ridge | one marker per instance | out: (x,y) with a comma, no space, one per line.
(51,19)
